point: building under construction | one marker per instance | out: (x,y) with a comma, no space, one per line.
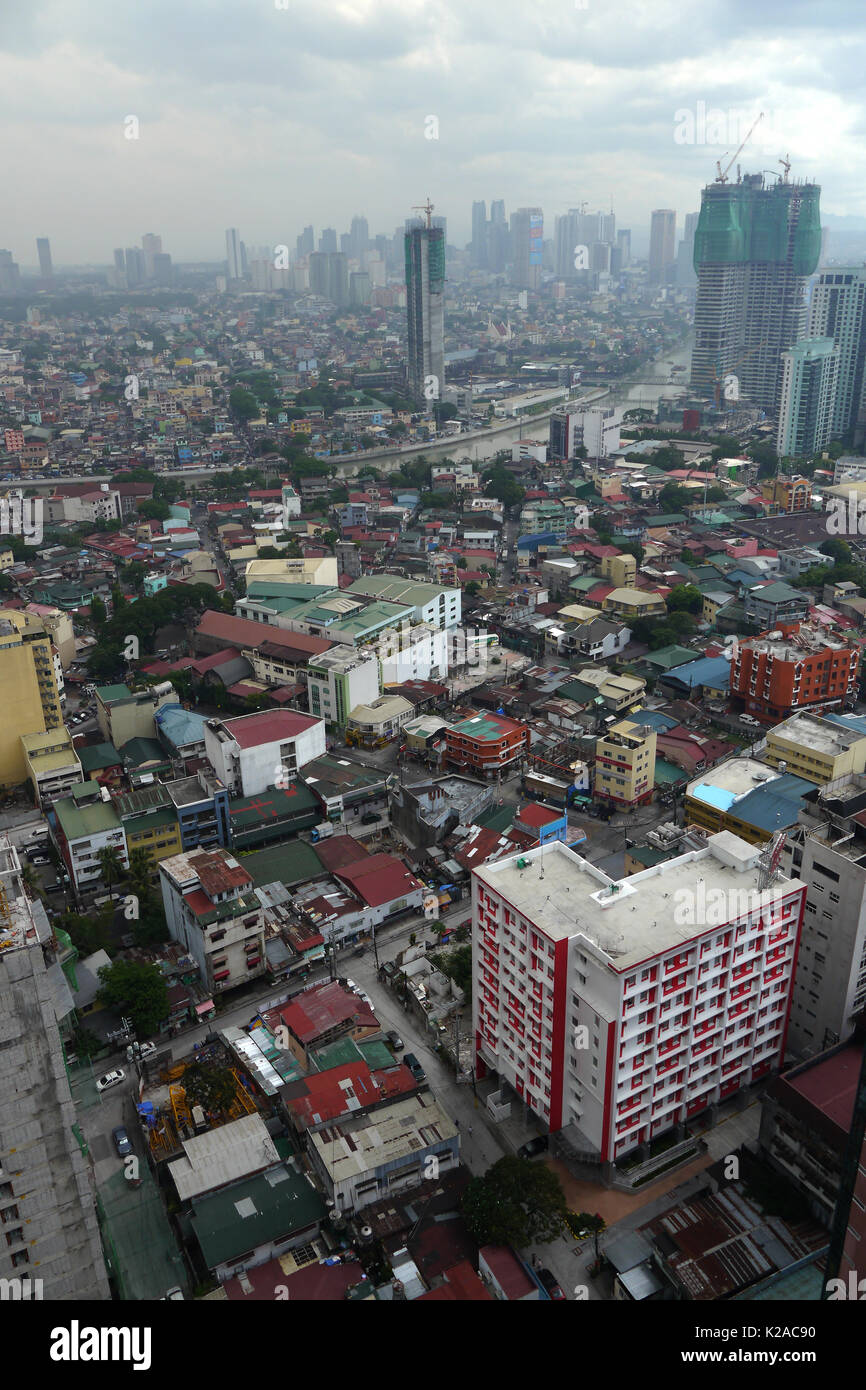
(755,247)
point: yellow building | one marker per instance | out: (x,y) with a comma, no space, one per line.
(30,698)
(59,627)
(785,493)
(617,690)
(817,749)
(52,764)
(621,570)
(7,560)
(150,822)
(625,764)
(634,603)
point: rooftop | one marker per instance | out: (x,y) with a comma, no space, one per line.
(351,1147)
(222,1156)
(256,1212)
(269,726)
(631,920)
(819,735)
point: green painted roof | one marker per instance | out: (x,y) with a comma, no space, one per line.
(283,1201)
(155,820)
(336,1054)
(293,862)
(273,805)
(666,657)
(78,820)
(376,1054)
(107,693)
(576,690)
(98,756)
(481,726)
(138,751)
(498,818)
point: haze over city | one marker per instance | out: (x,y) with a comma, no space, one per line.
(274,118)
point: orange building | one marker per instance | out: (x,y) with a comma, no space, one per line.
(784,494)
(796,668)
(486,744)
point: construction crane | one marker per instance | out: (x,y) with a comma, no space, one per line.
(722,175)
(786,164)
(428,208)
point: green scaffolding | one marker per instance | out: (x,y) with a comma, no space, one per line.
(746,223)
(139,1243)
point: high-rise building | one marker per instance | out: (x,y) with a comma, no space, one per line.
(566,246)
(360,288)
(233,254)
(837,310)
(151,246)
(328,240)
(135,270)
(329,276)
(478,248)
(359,232)
(305,243)
(617,1011)
(10,274)
(345,244)
(47,1201)
(826,849)
(662,252)
(163,272)
(685,271)
(43,250)
(497,211)
(810,371)
(623,241)
(31,698)
(527,234)
(425,309)
(119,263)
(755,247)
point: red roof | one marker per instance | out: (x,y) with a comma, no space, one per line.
(328,1095)
(315,1011)
(268,726)
(243,632)
(340,850)
(535,814)
(462,1286)
(379,879)
(315,1283)
(508,1271)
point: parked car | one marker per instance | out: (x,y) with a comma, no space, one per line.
(121,1141)
(350,984)
(111,1078)
(145,1049)
(55,887)
(415,1066)
(750,719)
(546,1279)
(171,1295)
(39,859)
(396,1042)
(538,1145)
(369,818)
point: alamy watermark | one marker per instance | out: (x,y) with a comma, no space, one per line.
(22,516)
(703,907)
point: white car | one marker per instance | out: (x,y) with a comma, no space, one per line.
(111,1078)
(750,719)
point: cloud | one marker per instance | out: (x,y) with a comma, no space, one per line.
(267,118)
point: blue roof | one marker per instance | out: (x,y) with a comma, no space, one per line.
(707,670)
(533,540)
(776,804)
(855,722)
(717,797)
(654,720)
(180,726)
(744,577)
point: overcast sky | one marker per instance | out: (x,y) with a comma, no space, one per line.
(266,118)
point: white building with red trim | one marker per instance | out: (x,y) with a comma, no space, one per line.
(624,1009)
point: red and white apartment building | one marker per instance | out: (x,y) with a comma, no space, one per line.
(626,1008)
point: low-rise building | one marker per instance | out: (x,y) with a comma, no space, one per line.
(262,750)
(340,679)
(52,764)
(379,722)
(364,1159)
(211,908)
(82,824)
(486,745)
(821,750)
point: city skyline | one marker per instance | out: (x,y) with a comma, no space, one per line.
(200,128)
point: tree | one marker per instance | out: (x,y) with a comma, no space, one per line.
(213,1088)
(837,549)
(111,867)
(457,965)
(243,404)
(98,611)
(136,990)
(472,588)
(516,1202)
(685,598)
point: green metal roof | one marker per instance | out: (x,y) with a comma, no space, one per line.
(98,756)
(108,693)
(76,820)
(293,862)
(282,1201)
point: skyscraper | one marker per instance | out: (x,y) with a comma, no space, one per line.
(329,276)
(304,243)
(151,245)
(755,247)
(497,237)
(837,310)
(328,240)
(43,249)
(527,234)
(685,275)
(807,400)
(623,241)
(47,1205)
(478,248)
(359,233)
(134,266)
(233,254)
(566,241)
(425,309)
(10,273)
(663,230)
(163,273)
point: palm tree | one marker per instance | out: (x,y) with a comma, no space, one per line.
(111,866)
(140,871)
